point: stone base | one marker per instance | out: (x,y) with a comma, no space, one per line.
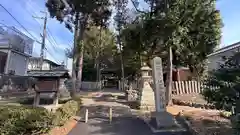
(147,102)
(147,107)
(165,120)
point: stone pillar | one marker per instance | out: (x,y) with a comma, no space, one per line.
(147,102)
(162,117)
(55,99)
(63,91)
(36,99)
(160,98)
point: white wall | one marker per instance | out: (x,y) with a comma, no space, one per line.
(35,65)
(69,65)
(46,66)
(18,63)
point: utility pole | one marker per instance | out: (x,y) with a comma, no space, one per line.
(43,38)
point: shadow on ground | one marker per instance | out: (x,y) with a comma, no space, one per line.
(123,122)
(102,111)
(118,126)
(118,99)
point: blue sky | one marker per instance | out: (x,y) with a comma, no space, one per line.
(24,9)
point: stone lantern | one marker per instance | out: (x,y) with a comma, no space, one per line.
(145,70)
(147,102)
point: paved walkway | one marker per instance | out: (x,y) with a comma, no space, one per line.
(123,123)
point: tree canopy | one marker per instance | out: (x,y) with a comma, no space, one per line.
(191,28)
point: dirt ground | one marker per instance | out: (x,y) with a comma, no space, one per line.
(208,122)
(193,98)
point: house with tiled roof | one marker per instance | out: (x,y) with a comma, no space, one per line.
(215,59)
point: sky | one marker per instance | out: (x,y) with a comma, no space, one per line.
(59,38)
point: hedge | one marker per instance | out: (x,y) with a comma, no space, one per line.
(24,120)
(65,112)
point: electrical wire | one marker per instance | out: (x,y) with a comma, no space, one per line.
(17,21)
(48,30)
(35,39)
(50,35)
(15,30)
(53,56)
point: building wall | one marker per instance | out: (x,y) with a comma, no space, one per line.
(35,65)
(214,61)
(185,75)
(17,63)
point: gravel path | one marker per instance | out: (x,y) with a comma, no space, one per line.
(123,122)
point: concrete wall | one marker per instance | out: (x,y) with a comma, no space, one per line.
(17,63)
(90,85)
(214,61)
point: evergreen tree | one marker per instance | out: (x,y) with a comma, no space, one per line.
(222,86)
(78,14)
(182,32)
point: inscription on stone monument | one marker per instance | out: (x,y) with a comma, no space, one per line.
(159,89)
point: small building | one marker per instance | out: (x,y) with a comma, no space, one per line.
(15,50)
(50,81)
(34,64)
(215,59)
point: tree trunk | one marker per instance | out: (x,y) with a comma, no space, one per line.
(74,63)
(97,69)
(169,78)
(122,64)
(83,22)
(99,54)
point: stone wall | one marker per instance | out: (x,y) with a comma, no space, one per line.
(84,85)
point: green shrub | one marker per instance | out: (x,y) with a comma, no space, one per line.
(26,120)
(22,120)
(65,112)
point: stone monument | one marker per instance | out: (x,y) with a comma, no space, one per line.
(162,117)
(147,102)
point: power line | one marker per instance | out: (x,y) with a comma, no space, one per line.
(52,56)
(15,30)
(35,39)
(48,31)
(18,22)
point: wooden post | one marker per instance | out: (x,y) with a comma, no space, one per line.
(86,116)
(110,114)
(233,110)
(56,88)
(187,88)
(177,88)
(183,88)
